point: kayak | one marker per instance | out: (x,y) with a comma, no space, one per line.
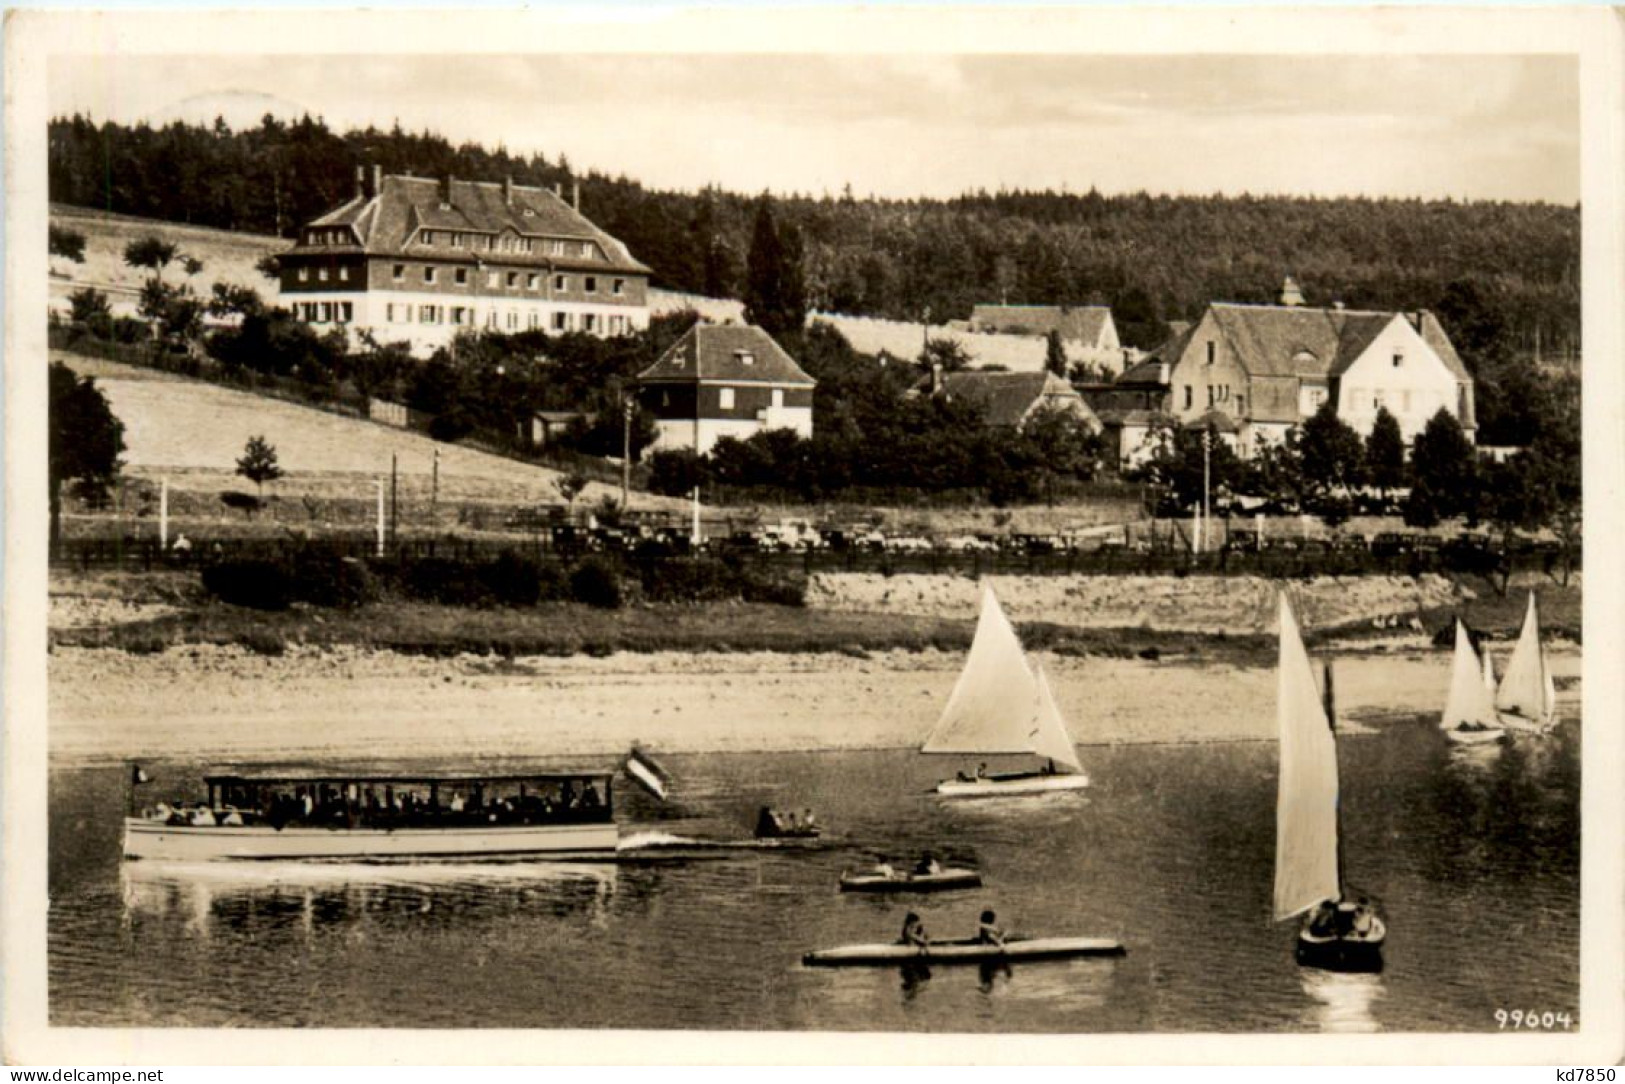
(940,881)
(964,952)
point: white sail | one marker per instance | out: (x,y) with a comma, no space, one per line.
(1526,689)
(994,707)
(1489,673)
(1470,701)
(1050,738)
(1306,803)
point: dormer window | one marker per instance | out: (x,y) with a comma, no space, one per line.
(528,213)
(428,237)
(744,357)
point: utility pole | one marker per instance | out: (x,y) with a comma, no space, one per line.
(434,492)
(1207,471)
(380,484)
(394,499)
(626,451)
(163,513)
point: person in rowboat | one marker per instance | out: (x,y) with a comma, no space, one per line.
(914,933)
(988,931)
(927,866)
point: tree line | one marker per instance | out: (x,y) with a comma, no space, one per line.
(1154,259)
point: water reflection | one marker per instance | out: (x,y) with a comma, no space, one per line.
(1341,1001)
(211,898)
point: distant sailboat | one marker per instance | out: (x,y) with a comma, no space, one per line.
(1526,699)
(1001,706)
(1469,714)
(1337,933)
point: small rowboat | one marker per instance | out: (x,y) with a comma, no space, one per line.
(964,952)
(1488,736)
(940,881)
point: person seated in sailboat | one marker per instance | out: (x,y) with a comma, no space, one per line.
(884,869)
(914,932)
(808,823)
(1364,917)
(928,865)
(1323,919)
(988,931)
(767,822)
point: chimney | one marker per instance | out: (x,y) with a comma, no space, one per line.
(558,189)
(507,190)
(377,180)
(936,378)
(575,195)
(445,188)
(360,181)
(1162,372)
(1290,294)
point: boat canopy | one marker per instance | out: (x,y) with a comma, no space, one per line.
(998,705)
(1306,872)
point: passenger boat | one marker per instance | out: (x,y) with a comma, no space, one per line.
(1526,700)
(1469,716)
(1338,933)
(1001,705)
(557,815)
(941,880)
(964,952)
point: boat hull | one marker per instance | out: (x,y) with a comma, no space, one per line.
(1332,952)
(920,882)
(1488,736)
(184,843)
(964,952)
(1520,725)
(1000,785)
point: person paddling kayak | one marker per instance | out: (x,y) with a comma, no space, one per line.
(914,934)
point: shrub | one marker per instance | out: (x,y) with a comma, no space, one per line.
(260,585)
(246,503)
(327,579)
(436,579)
(595,583)
(263,642)
(512,580)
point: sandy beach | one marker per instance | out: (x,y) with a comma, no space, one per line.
(223,703)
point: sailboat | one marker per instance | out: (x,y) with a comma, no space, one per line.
(1338,933)
(1527,699)
(1469,714)
(1001,705)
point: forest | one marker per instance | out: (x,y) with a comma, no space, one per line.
(1152,258)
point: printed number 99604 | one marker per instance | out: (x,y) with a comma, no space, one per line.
(1534,1021)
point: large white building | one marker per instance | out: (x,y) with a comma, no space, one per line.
(416,260)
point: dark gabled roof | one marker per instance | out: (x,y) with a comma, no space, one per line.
(719,352)
(1218,420)
(1082,323)
(1006,398)
(387,223)
(1145,372)
(1138,416)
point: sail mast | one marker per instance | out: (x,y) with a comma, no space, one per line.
(1331,724)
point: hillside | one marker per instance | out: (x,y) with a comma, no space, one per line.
(227,257)
(192,432)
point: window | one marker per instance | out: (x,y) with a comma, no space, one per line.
(528,213)
(462,276)
(428,237)
(744,357)
(428,274)
(561,282)
(389,313)
(344,274)
(304,274)
(586,248)
(1188,395)
(589,322)
(532,281)
(560,321)
(321,273)
(535,321)
(727,398)
(778,397)
(590,284)
(493,279)
(458,314)
(1241,404)
(618,287)
(617,325)
(556,248)
(513,320)
(326,311)
(491,318)
(398,272)
(427,315)
(1212,395)
(1212,351)
(513,280)
(456,240)
(346,312)
(1399,358)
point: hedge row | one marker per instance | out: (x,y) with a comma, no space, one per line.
(321,578)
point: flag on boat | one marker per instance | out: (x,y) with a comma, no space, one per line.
(647,773)
(138,775)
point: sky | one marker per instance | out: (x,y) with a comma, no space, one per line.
(1467,127)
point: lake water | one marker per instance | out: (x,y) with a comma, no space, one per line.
(1474,855)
